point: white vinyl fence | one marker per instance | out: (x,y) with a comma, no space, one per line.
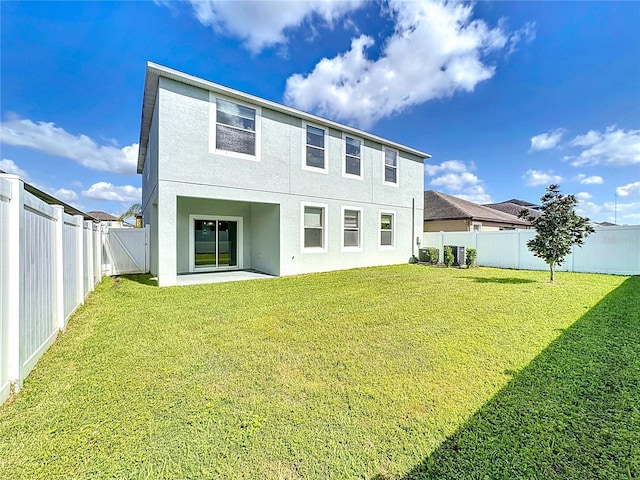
(126,250)
(49,262)
(613,250)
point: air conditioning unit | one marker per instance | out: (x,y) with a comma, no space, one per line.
(459,254)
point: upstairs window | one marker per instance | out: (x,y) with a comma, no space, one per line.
(390,166)
(352,158)
(315,155)
(235,128)
(386,229)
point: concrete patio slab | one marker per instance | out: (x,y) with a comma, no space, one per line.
(219,277)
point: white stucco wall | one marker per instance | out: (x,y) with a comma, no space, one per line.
(270,191)
(150,192)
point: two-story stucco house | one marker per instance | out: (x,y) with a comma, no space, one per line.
(233,181)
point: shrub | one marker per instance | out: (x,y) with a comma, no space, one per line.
(448,256)
(471,257)
(433,255)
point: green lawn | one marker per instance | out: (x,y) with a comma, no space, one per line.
(381,373)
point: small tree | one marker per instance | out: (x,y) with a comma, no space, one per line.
(433,255)
(471,257)
(448,256)
(133,211)
(558,228)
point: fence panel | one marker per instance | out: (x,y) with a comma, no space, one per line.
(498,249)
(434,239)
(49,262)
(38,322)
(70,232)
(5,198)
(609,250)
(526,259)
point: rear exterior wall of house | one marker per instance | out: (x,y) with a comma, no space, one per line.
(282,202)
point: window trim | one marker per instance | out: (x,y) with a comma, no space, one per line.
(360,229)
(325,228)
(384,167)
(393,229)
(213,123)
(344,157)
(309,168)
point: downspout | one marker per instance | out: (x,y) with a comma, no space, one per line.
(413,226)
(413,258)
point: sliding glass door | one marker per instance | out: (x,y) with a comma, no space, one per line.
(215,243)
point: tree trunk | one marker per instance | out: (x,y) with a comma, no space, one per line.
(551,267)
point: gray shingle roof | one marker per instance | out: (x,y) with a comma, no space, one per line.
(512,208)
(522,203)
(440,206)
(102,216)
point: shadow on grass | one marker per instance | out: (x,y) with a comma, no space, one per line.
(145,279)
(573,413)
(501,280)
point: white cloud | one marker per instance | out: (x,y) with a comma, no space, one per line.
(455,181)
(455,176)
(615,212)
(66,195)
(594,180)
(546,141)
(534,178)
(526,34)
(475,194)
(449,165)
(108,191)
(630,189)
(615,146)
(437,49)
(10,166)
(584,196)
(55,141)
(264,23)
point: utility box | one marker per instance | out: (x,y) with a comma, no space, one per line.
(423,254)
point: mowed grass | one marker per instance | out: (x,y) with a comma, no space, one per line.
(390,372)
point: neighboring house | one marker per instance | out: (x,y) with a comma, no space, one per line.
(523,203)
(514,207)
(233,181)
(445,213)
(109,220)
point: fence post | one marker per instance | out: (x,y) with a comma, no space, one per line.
(79,259)
(106,255)
(58,248)
(15,283)
(88,224)
(97,258)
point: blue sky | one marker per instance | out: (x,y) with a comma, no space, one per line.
(507,96)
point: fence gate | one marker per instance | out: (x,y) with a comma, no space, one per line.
(126,250)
